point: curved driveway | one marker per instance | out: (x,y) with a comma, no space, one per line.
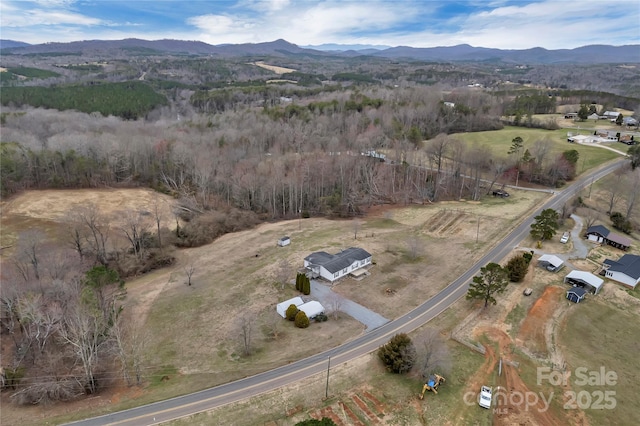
(251,386)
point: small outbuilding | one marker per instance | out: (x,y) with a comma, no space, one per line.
(550,262)
(282,307)
(284,241)
(576,294)
(312,309)
(586,280)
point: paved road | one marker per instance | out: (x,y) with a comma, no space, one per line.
(241,389)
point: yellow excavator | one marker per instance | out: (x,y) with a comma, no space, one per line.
(432,384)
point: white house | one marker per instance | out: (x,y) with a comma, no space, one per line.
(312,309)
(585,280)
(282,307)
(335,266)
(625,270)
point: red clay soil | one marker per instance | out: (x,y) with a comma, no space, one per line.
(365,409)
(354,419)
(509,411)
(379,406)
(328,413)
(531,332)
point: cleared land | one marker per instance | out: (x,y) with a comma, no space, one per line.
(274,68)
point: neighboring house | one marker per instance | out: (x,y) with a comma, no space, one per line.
(611,114)
(580,138)
(335,266)
(625,270)
(282,307)
(284,241)
(593,116)
(600,234)
(576,294)
(627,139)
(573,115)
(629,121)
(605,135)
(586,280)
(550,262)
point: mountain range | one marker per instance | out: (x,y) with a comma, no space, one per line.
(282,48)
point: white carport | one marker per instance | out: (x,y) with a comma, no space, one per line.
(312,309)
(551,262)
(591,282)
(282,307)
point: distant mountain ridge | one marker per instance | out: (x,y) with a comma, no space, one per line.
(464,52)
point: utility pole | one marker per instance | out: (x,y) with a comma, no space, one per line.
(299,220)
(326,391)
(478,230)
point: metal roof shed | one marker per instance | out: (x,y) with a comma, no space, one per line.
(584,279)
(312,309)
(551,262)
(282,307)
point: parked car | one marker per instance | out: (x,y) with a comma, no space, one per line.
(485,397)
(500,193)
(527,291)
(565,238)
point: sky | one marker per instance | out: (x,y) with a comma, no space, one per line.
(503,24)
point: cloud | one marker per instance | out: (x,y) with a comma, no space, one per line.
(50,12)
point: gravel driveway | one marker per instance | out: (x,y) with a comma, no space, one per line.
(322,293)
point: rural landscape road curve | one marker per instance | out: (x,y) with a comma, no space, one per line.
(208,399)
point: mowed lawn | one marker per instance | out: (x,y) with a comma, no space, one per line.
(499,141)
(595,336)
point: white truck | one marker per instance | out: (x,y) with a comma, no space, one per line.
(485,397)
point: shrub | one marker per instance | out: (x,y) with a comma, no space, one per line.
(325,421)
(321,318)
(399,354)
(291,312)
(306,286)
(621,223)
(528,256)
(517,268)
(301,320)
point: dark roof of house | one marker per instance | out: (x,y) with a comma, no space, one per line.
(629,264)
(578,291)
(598,229)
(335,262)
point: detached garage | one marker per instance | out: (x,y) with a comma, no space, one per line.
(550,262)
(586,280)
(576,294)
(282,307)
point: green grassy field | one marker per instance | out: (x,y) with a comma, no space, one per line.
(499,141)
(599,336)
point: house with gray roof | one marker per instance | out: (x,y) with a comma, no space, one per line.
(601,234)
(625,270)
(335,266)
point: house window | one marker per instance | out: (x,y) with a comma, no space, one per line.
(344,271)
(335,275)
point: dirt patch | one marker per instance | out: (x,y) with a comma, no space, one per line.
(532,332)
(274,68)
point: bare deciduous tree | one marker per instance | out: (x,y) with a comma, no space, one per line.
(432,353)
(283,272)
(415,246)
(335,305)
(189,270)
(245,331)
(130,342)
